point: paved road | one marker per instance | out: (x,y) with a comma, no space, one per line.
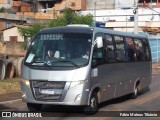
(149,100)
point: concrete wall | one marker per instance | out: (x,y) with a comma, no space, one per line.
(78,5)
(12,32)
(3,1)
(100,4)
(2,25)
(13,16)
(124,3)
(6,3)
(155,47)
(123,15)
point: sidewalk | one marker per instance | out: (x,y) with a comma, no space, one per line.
(156,65)
(10,96)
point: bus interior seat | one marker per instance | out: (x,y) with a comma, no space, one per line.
(57,54)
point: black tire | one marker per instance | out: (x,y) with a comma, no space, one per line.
(34,107)
(2,71)
(135,93)
(92,108)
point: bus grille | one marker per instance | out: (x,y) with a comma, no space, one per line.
(47,90)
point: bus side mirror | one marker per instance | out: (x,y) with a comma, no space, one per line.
(28,40)
(99,42)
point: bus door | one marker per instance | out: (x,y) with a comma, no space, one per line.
(100,72)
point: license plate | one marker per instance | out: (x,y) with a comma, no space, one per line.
(47,91)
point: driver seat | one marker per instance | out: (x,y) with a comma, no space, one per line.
(57,54)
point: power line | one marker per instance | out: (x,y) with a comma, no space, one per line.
(153,10)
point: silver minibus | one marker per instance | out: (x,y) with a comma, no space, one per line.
(84,66)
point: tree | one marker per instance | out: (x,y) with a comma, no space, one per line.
(2,9)
(83,19)
(70,17)
(29,31)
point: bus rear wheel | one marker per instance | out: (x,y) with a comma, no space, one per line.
(34,107)
(135,91)
(92,108)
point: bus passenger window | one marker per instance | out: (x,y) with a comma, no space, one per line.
(109,49)
(139,50)
(146,50)
(120,50)
(130,51)
(98,56)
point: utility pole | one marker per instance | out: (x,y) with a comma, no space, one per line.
(35,2)
(135,12)
(126,20)
(94,13)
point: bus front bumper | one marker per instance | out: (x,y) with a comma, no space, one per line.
(77,96)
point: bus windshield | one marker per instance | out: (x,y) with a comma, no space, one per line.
(59,50)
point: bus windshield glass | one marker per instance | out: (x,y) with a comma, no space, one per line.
(59,50)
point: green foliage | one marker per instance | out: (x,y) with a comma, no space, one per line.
(82,19)
(2,9)
(30,31)
(57,22)
(70,17)
(23,45)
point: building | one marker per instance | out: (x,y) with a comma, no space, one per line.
(59,5)
(108,4)
(12,34)
(20,6)
(6,3)
(121,17)
(100,4)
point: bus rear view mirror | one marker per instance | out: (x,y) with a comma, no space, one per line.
(99,42)
(28,40)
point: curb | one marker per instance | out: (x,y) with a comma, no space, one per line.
(158,67)
(11,101)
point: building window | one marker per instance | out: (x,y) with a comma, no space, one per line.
(8,24)
(13,38)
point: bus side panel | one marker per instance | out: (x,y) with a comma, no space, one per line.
(102,80)
(108,91)
(121,77)
(145,79)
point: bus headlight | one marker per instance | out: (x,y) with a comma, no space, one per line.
(26,82)
(76,83)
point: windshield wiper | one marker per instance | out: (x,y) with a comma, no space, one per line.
(44,63)
(74,64)
(50,62)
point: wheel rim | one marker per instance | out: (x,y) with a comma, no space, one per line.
(135,91)
(93,103)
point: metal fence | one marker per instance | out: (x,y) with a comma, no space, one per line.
(155,49)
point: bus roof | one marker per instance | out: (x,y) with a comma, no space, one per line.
(114,32)
(68,29)
(82,29)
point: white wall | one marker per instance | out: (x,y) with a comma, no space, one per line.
(12,32)
(123,3)
(106,15)
(6,3)
(100,4)
(109,4)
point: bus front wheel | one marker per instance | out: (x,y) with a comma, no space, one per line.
(34,107)
(92,108)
